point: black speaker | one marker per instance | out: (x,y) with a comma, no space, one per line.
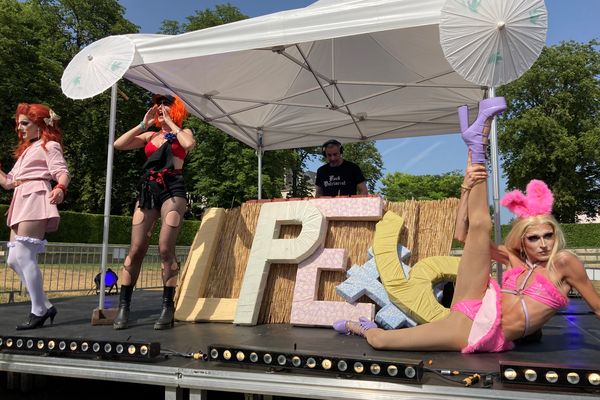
(327,143)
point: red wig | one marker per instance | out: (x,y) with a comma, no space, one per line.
(178,112)
(38,114)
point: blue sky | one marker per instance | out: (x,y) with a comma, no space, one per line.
(568,20)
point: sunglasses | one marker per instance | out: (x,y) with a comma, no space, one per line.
(535,238)
(163,99)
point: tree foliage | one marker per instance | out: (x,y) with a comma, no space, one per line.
(552,129)
(368,158)
(399,186)
(38,38)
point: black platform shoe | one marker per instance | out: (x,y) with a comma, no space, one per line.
(122,319)
(37,321)
(166,319)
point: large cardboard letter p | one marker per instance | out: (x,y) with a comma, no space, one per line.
(267,248)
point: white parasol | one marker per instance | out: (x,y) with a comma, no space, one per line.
(97,67)
(492,42)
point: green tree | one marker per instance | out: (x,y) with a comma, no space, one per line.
(38,38)
(224,172)
(296,162)
(552,129)
(398,186)
(368,158)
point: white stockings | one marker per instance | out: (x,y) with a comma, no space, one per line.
(22,258)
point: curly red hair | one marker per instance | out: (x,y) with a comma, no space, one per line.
(178,112)
(36,113)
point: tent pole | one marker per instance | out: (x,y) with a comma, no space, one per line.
(259,152)
(495,185)
(108,190)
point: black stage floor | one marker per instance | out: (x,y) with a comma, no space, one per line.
(571,338)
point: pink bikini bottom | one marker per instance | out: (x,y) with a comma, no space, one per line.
(486,333)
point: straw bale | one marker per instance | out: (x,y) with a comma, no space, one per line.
(225,279)
(431,221)
(436,227)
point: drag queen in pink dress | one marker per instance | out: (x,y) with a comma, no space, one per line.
(33,212)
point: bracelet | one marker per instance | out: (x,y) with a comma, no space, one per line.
(142,125)
(177,131)
(61,187)
(465,187)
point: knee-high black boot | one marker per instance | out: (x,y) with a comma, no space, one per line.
(167,314)
(122,318)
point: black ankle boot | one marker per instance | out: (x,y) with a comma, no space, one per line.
(37,321)
(122,318)
(167,314)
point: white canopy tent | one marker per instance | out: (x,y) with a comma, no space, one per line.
(346,69)
(350,70)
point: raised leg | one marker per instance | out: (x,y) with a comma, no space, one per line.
(474,266)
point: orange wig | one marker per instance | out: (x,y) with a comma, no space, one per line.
(37,113)
(178,112)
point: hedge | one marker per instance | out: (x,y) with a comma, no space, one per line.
(88,228)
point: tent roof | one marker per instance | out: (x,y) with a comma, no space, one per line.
(346,69)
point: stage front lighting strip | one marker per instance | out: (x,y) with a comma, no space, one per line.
(405,370)
(79,347)
(512,372)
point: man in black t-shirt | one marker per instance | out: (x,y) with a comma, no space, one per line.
(339,177)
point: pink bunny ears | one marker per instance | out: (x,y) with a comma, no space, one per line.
(537,201)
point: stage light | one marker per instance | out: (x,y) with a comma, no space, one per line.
(407,370)
(375,369)
(110,281)
(551,376)
(58,347)
(548,375)
(296,361)
(392,370)
(359,367)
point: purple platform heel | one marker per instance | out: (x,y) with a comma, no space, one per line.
(473,135)
(359,327)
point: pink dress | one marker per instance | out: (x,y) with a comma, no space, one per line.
(32,174)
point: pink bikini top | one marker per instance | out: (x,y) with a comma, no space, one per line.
(178,150)
(541,289)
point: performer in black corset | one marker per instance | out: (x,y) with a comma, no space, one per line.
(339,177)
(162,194)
